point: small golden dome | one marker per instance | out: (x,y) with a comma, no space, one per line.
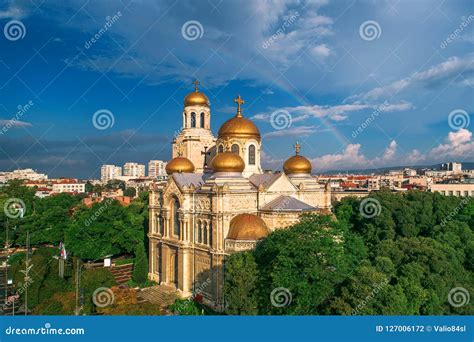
(238,126)
(297,164)
(247,227)
(196,98)
(227,162)
(179,164)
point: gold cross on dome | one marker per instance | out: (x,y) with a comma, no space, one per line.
(239,102)
(196,85)
(297,148)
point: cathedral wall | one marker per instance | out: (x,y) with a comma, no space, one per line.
(275,220)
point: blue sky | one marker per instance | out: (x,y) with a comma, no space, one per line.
(360,84)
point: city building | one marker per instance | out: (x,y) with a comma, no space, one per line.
(157,169)
(454,167)
(217,200)
(134,170)
(407,172)
(109,172)
(25,174)
(69,185)
(453,189)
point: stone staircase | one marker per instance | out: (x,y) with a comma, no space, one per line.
(161,295)
(122,273)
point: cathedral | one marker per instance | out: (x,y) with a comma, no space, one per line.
(218,200)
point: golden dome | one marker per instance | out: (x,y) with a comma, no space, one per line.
(238,126)
(227,162)
(179,164)
(196,98)
(297,164)
(247,227)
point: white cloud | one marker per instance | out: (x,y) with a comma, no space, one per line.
(338,117)
(415,156)
(335,113)
(396,107)
(458,144)
(13,12)
(14,123)
(321,50)
(300,131)
(352,158)
(349,158)
(444,71)
(390,151)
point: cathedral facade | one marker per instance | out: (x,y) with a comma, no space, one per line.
(218,200)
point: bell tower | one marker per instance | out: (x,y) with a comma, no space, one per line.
(195,136)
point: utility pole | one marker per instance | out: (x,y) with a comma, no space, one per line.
(78,281)
(27,279)
(6,263)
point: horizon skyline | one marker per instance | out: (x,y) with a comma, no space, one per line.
(328,172)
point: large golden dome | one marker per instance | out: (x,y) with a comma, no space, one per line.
(297,164)
(247,227)
(179,165)
(227,162)
(196,98)
(238,126)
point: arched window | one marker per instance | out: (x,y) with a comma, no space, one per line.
(210,233)
(160,225)
(221,149)
(176,223)
(193,120)
(252,155)
(202,120)
(185,124)
(199,232)
(235,149)
(204,233)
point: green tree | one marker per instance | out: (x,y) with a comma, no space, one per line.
(140,265)
(241,284)
(89,187)
(307,261)
(115,184)
(107,228)
(131,192)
